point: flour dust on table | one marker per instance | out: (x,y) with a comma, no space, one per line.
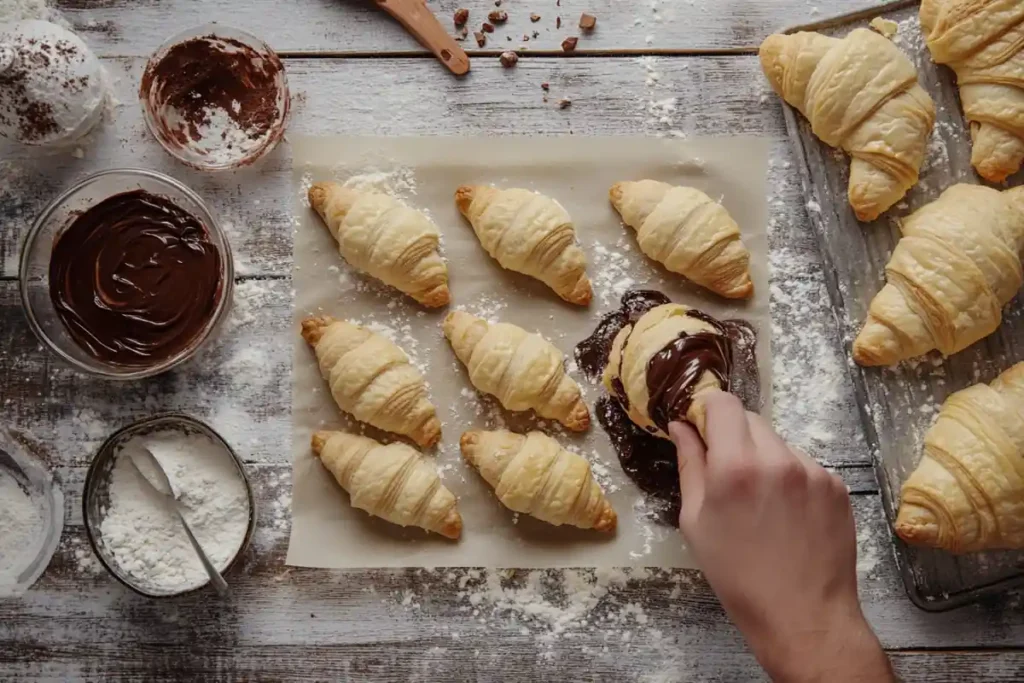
(21,528)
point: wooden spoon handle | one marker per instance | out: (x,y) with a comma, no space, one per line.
(418,20)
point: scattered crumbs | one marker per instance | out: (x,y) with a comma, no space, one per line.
(487,307)
(612,276)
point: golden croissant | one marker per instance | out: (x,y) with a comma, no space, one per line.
(663,366)
(967,494)
(534,475)
(956,266)
(524,371)
(372,379)
(983,42)
(392,482)
(689,233)
(860,94)
(383,237)
(529,233)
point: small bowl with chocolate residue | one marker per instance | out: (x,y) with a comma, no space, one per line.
(215,97)
(126,275)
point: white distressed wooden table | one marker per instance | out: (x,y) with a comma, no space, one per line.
(354,71)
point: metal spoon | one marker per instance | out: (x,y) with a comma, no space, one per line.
(162,486)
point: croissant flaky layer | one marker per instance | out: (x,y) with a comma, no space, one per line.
(372,379)
(983,42)
(860,94)
(529,233)
(524,371)
(392,482)
(534,475)
(383,237)
(686,231)
(956,266)
(967,493)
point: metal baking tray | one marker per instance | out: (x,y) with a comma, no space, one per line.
(897,405)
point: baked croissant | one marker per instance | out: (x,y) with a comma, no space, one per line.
(860,93)
(372,379)
(949,277)
(984,43)
(967,493)
(534,475)
(660,367)
(524,371)
(529,233)
(689,233)
(392,482)
(383,237)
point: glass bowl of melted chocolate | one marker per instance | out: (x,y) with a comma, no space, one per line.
(126,274)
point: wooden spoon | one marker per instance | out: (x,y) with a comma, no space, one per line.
(418,20)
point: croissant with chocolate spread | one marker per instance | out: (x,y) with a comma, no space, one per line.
(392,482)
(524,371)
(661,366)
(529,233)
(372,379)
(383,237)
(534,475)
(688,232)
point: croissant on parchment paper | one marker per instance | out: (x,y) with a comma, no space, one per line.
(392,482)
(524,371)
(860,94)
(662,366)
(956,266)
(383,237)
(967,493)
(529,233)
(534,475)
(372,379)
(689,233)
(983,42)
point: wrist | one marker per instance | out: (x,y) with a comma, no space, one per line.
(843,649)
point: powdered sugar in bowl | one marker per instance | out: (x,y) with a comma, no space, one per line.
(215,97)
(137,536)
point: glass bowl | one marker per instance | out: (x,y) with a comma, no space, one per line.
(34,271)
(32,477)
(96,495)
(214,152)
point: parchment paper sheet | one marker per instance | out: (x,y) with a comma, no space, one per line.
(326,530)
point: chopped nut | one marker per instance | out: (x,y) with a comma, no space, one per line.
(481,39)
(536,33)
(487,28)
(558,22)
(498,16)
(509,59)
(461,16)
(569,44)
(545,86)
(588,21)
(526,38)
(535,18)
(564,103)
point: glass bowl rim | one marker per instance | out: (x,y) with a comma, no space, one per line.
(219,313)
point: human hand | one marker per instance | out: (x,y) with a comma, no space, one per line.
(773,532)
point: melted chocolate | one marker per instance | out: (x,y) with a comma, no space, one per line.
(135,279)
(649,461)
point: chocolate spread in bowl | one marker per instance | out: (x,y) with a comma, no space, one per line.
(135,279)
(650,461)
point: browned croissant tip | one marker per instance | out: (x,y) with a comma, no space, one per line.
(313,328)
(452,525)
(438,297)
(467,443)
(318,441)
(744,291)
(428,433)
(608,519)
(615,194)
(578,419)
(582,294)
(318,196)
(464,197)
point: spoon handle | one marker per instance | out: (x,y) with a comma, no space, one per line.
(218,582)
(418,20)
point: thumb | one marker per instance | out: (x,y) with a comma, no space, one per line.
(691,453)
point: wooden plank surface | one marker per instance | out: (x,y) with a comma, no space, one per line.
(134,28)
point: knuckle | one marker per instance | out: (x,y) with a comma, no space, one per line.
(791,473)
(736,477)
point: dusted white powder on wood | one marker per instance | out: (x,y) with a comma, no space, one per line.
(144,535)
(21,527)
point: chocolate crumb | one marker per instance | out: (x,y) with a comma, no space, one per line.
(564,103)
(536,33)
(545,86)
(569,44)
(461,16)
(487,28)
(509,59)
(588,21)
(526,38)
(498,16)
(558,22)
(535,18)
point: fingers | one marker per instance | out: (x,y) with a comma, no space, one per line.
(726,429)
(691,453)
